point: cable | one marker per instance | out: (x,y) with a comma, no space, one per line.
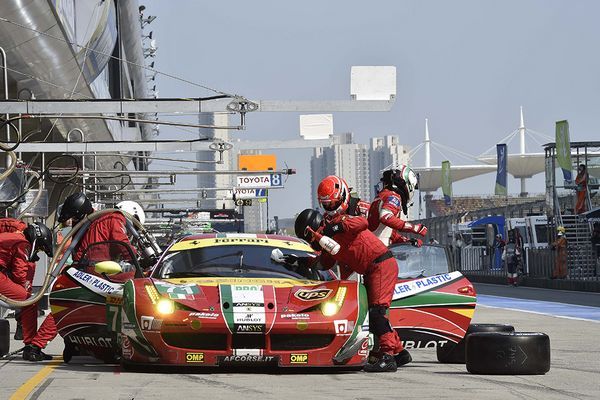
(2,19)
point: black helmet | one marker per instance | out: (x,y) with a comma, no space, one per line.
(76,206)
(307,218)
(40,238)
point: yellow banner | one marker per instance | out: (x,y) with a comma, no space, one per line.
(275,282)
(236,241)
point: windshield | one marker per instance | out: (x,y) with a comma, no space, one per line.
(541,233)
(414,262)
(250,261)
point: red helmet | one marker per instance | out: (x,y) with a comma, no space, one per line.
(334,194)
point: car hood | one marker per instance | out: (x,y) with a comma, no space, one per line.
(274,294)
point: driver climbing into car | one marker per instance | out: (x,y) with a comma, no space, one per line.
(18,254)
(345,239)
(393,200)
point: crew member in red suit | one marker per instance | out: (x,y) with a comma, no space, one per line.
(390,203)
(17,267)
(110,226)
(356,249)
(358,207)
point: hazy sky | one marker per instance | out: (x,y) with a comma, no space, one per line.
(465,65)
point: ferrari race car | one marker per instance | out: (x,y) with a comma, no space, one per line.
(235,299)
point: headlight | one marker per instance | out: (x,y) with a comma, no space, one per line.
(329,308)
(165,306)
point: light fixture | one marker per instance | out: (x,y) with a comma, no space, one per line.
(329,308)
(165,306)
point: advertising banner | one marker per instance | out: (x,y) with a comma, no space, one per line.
(563,149)
(501,174)
(446,183)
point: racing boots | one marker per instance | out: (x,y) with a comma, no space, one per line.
(385,363)
(402,358)
(19,331)
(32,352)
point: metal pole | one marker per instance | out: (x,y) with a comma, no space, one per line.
(4,67)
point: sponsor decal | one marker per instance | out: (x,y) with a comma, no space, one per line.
(276,282)
(93,341)
(393,200)
(233,240)
(204,315)
(114,300)
(299,358)
(247,358)
(150,323)
(250,328)
(314,294)
(411,288)
(343,326)
(94,283)
(194,357)
(295,316)
(364,348)
(178,292)
(126,347)
(420,344)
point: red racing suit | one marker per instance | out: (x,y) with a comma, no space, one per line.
(12,225)
(108,227)
(16,275)
(361,208)
(361,252)
(384,218)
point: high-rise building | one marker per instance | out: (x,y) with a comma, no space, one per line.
(385,151)
(344,158)
(359,164)
(210,157)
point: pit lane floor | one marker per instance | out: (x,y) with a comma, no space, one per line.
(575,370)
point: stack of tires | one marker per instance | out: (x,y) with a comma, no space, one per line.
(4,337)
(499,350)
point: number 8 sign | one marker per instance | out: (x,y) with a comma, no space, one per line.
(276,180)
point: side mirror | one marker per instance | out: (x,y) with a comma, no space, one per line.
(107,267)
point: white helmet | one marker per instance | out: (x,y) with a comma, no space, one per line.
(133,208)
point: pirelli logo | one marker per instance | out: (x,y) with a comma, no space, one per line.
(194,357)
(299,358)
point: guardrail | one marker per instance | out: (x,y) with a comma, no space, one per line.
(538,263)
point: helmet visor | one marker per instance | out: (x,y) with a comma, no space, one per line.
(330,205)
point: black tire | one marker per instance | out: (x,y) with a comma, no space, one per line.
(518,353)
(452,353)
(4,337)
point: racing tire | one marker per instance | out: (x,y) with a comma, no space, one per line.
(454,353)
(4,337)
(517,353)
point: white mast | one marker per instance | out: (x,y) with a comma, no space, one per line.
(522,139)
(427,146)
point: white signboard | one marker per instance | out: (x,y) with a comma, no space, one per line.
(241,193)
(260,181)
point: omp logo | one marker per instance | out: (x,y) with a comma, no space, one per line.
(299,358)
(315,294)
(194,357)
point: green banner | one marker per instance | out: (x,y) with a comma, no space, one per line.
(563,149)
(446,183)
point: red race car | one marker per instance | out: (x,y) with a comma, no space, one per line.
(240,299)
(432,305)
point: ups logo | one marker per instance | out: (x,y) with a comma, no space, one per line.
(315,294)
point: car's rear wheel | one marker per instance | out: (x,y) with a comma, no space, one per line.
(517,353)
(454,353)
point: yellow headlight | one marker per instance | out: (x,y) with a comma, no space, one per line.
(165,306)
(329,308)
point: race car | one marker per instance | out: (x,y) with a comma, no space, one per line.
(240,299)
(432,306)
(232,299)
